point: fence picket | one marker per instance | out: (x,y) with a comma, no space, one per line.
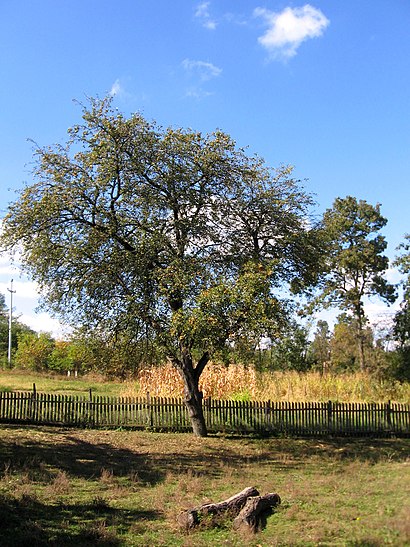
(303,418)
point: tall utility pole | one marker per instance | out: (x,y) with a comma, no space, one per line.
(10,321)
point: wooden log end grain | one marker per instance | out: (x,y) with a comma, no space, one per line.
(190,518)
(251,515)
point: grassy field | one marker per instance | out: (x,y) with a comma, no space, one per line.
(126,488)
(21,380)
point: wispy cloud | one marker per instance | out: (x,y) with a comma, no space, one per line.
(116,88)
(197,93)
(289,28)
(199,72)
(202,13)
(205,71)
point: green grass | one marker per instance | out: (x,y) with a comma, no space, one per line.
(78,487)
(19,380)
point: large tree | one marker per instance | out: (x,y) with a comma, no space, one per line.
(354,261)
(164,234)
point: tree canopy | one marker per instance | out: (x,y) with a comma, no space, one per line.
(166,234)
(354,262)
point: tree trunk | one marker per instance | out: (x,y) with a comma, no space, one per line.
(250,517)
(192,517)
(362,361)
(193,403)
(193,397)
(360,343)
(358,313)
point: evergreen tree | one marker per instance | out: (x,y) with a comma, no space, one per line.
(355,265)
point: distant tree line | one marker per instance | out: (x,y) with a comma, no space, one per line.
(328,350)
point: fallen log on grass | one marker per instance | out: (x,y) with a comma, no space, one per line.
(255,508)
(193,517)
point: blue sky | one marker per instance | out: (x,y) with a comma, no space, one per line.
(323,86)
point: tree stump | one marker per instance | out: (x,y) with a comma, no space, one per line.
(251,515)
(192,517)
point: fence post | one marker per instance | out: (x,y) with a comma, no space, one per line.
(329,417)
(34,403)
(149,409)
(90,413)
(388,416)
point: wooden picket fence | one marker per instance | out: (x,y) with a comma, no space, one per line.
(240,417)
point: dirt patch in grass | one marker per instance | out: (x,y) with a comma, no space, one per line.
(81,487)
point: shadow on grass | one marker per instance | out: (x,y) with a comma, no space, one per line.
(371,450)
(29,522)
(76,457)
(151,463)
(39,453)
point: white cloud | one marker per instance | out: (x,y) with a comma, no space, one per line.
(42,322)
(289,28)
(202,13)
(8,270)
(26,298)
(394,276)
(116,88)
(24,289)
(197,93)
(205,71)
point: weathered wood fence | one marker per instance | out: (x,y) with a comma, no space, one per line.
(169,414)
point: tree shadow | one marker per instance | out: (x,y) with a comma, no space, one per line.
(30,522)
(82,459)
(78,458)
(41,453)
(291,453)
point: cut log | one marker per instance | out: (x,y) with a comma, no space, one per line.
(193,517)
(253,512)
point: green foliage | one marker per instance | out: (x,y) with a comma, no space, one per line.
(344,351)
(34,351)
(319,349)
(354,261)
(166,235)
(289,352)
(4,328)
(68,356)
(401,327)
(232,313)
(401,330)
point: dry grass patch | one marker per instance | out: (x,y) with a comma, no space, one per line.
(244,382)
(60,485)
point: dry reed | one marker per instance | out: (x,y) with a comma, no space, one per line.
(245,383)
